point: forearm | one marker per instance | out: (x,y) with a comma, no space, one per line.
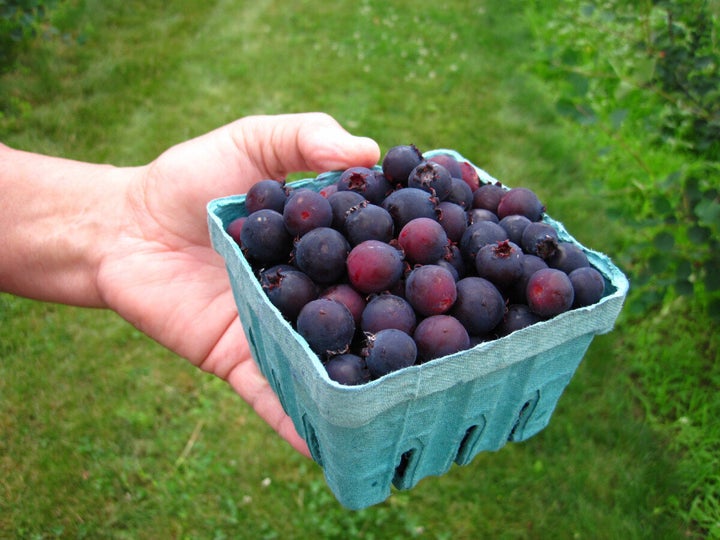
(57,218)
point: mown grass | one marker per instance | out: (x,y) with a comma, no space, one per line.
(107,435)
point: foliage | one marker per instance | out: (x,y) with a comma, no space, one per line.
(19,22)
(624,69)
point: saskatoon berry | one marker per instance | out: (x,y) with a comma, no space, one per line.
(321,253)
(345,294)
(423,241)
(389,350)
(567,257)
(588,284)
(410,203)
(430,289)
(540,239)
(264,238)
(500,263)
(371,185)
(306,210)
(550,292)
(368,222)
(399,161)
(433,178)
(327,326)
(520,201)
(348,369)
(530,265)
(388,311)
(374,266)
(514,226)
(479,305)
(288,290)
(453,219)
(460,194)
(234,229)
(469,175)
(480,214)
(269,194)
(517,316)
(440,335)
(488,197)
(449,162)
(341,203)
(479,234)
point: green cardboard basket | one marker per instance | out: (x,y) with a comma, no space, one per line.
(418,421)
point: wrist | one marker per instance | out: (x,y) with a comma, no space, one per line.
(59,217)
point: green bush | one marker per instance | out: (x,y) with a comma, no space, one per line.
(19,22)
(649,71)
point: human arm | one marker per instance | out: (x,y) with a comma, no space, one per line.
(135,239)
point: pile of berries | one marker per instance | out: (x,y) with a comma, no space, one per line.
(401,264)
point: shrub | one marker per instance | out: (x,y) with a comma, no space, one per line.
(19,23)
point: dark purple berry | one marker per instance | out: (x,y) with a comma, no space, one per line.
(266,194)
(348,369)
(430,289)
(399,161)
(588,284)
(479,234)
(370,183)
(368,222)
(440,335)
(540,239)
(514,226)
(389,350)
(453,219)
(388,311)
(520,201)
(423,241)
(321,253)
(517,316)
(346,294)
(488,197)
(374,266)
(568,257)
(479,305)
(550,292)
(449,162)
(431,177)
(264,238)
(500,263)
(530,265)
(410,203)
(341,203)
(327,326)
(305,211)
(288,290)
(480,214)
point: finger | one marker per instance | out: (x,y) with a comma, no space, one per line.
(283,144)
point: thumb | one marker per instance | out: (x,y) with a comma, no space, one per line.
(282,144)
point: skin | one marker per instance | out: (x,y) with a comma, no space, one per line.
(135,239)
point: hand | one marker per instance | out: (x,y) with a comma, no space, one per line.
(163,276)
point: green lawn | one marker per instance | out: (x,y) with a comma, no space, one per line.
(103,434)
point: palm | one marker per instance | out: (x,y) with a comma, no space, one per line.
(163,275)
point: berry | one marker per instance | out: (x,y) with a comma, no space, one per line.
(409,203)
(520,201)
(305,211)
(388,311)
(327,326)
(423,241)
(341,203)
(348,296)
(479,305)
(500,263)
(288,290)
(453,219)
(374,266)
(365,181)
(588,285)
(431,177)
(567,257)
(399,161)
(348,369)
(449,162)
(264,238)
(478,235)
(430,289)
(266,194)
(516,316)
(550,292)
(440,335)
(540,239)
(488,197)
(514,226)
(321,253)
(389,350)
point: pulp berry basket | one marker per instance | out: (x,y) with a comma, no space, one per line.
(418,421)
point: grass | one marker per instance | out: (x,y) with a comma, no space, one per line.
(107,435)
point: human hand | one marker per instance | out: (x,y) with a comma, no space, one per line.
(162,274)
